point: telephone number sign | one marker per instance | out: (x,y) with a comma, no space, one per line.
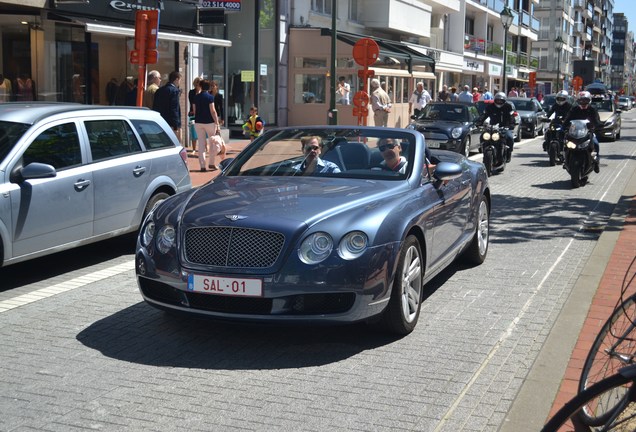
(233,5)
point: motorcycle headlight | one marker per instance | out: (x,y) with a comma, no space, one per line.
(456,132)
(353,245)
(315,248)
(570,145)
(495,136)
(486,136)
(165,238)
(148,234)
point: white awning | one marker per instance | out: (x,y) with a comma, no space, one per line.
(177,37)
(402,73)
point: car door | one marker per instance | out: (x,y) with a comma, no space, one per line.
(474,131)
(53,211)
(541,114)
(121,172)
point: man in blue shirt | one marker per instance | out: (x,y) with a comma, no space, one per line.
(313,164)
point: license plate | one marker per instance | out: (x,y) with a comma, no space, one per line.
(236,287)
(433,144)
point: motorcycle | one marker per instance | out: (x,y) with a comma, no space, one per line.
(492,143)
(555,136)
(577,152)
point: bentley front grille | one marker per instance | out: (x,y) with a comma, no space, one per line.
(233,247)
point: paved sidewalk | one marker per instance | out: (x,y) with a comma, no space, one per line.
(234,146)
(554,377)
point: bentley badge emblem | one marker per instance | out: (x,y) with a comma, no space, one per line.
(235,217)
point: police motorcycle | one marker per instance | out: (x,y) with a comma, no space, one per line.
(577,152)
(555,137)
(492,143)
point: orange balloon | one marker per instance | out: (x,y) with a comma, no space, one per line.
(259,126)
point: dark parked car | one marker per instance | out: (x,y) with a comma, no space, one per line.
(516,132)
(532,115)
(550,99)
(283,236)
(449,126)
(610,116)
(74,174)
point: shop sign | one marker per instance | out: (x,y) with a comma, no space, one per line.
(473,65)
(494,69)
(228,5)
(247,76)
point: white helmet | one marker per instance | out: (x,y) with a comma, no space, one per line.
(584,99)
(561,97)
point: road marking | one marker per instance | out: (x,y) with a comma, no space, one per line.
(78,282)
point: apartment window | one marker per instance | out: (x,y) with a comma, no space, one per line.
(354,11)
(321,6)
(469,26)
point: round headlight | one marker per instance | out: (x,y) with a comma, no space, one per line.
(456,132)
(495,136)
(315,248)
(148,234)
(353,245)
(486,136)
(165,238)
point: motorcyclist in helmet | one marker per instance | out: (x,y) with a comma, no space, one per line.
(584,110)
(500,112)
(559,109)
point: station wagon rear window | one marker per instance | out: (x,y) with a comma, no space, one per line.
(152,135)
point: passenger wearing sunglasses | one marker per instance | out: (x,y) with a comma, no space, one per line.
(313,164)
(390,150)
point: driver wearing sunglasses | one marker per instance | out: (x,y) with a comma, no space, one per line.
(313,164)
(390,150)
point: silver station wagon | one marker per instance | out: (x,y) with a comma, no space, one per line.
(75,174)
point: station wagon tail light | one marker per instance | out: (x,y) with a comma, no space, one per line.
(315,248)
(353,245)
(165,238)
(184,155)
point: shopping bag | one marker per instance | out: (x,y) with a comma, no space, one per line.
(217,140)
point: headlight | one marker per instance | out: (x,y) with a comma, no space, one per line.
(486,136)
(353,245)
(148,234)
(609,123)
(165,238)
(570,145)
(315,248)
(456,133)
(495,136)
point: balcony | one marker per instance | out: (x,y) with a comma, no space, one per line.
(578,28)
(579,4)
(576,52)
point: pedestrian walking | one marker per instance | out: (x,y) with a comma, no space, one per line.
(206,123)
(167,102)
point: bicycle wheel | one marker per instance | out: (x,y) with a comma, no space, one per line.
(613,349)
(623,418)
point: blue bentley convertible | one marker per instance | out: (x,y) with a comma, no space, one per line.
(320,224)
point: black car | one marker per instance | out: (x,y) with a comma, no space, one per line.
(449,126)
(532,115)
(550,99)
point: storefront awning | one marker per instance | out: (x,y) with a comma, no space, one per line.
(177,37)
(392,53)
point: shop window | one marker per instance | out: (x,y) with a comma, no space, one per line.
(310,63)
(309,88)
(321,6)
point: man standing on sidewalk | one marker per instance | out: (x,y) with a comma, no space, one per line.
(167,102)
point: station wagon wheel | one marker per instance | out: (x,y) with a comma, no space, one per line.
(403,310)
(153,201)
(476,252)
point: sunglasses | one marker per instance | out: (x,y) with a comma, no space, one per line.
(560,99)
(314,147)
(383,147)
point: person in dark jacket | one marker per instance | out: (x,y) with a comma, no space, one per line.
(500,112)
(560,109)
(167,102)
(584,110)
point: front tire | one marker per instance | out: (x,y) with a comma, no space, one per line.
(553,150)
(478,249)
(403,310)
(488,161)
(575,171)
(152,202)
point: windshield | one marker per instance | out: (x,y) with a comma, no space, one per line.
(603,105)
(524,105)
(445,112)
(10,134)
(328,152)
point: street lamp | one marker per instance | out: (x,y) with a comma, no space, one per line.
(558,44)
(506,21)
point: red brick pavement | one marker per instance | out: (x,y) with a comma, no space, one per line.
(198,178)
(618,272)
